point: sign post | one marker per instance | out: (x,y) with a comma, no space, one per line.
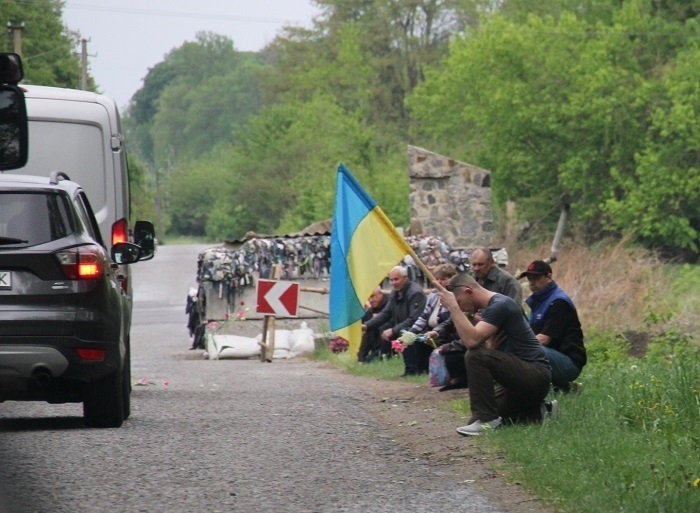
(274,297)
(277,298)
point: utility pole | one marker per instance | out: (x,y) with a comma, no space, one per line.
(15,30)
(83,64)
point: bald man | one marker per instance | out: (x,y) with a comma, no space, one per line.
(406,304)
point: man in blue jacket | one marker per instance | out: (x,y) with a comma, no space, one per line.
(554,320)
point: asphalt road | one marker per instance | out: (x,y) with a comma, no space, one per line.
(214,436)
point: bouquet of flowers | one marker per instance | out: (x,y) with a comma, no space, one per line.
(397,346)
(338,345)
(407,338)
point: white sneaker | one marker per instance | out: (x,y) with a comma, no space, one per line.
(478,427)
(550,409)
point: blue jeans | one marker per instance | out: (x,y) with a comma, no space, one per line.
(564,370)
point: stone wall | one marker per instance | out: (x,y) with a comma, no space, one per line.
(449,199)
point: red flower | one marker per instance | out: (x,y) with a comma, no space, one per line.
(338,345)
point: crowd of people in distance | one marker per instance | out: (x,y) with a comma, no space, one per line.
(509,361)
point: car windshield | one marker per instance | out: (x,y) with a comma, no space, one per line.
(28,218)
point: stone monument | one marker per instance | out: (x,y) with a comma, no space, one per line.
(449,199)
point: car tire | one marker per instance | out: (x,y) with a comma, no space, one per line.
(126,382)
(104,405)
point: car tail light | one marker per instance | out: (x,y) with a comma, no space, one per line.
(120,231)
(91,354)
(81,263)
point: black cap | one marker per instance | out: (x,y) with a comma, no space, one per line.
(536,268)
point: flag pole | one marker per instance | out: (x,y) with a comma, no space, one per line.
(422,266)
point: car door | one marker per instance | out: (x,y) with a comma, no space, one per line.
(87,217)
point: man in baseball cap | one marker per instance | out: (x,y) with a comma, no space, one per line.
(554,320)
(537,268)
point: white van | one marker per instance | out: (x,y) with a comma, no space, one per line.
(79,133)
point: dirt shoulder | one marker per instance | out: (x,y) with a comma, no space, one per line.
(419,419)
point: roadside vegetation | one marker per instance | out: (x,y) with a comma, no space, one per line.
(592,105)
(629,441)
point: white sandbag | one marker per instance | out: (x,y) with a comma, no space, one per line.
(210,348)
(281,344)
(282,339)
(281,354)
(301,341)
(231,346)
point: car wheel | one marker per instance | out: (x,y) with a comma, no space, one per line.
(104,405)
(126,382)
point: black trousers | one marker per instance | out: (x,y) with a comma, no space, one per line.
(369,344)
(456,366)
(416,357)
(522,386)
(372,345)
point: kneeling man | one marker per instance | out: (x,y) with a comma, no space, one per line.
(513,358)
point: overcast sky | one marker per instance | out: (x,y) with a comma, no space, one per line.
(127,37)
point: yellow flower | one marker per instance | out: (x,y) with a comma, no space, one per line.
(696,483)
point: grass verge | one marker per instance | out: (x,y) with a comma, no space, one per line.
(390,369)
(630,442)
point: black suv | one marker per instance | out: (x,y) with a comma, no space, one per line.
(64,315)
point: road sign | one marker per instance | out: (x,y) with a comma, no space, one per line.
(277,298)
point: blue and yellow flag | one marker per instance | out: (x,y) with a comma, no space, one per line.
(364,247)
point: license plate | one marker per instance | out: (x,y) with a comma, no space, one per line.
(5,279)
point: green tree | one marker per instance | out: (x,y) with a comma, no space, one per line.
(142,204)
(590,11)
(660,200)
(47,46)
(283,169)
(191,101)
(556,108)
(194,188)
(392,40)
(191,121)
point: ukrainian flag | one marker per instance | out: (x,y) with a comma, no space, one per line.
(364,247)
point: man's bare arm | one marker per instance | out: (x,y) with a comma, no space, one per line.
(472,335)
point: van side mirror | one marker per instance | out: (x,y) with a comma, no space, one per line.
(13,114)
(145,237)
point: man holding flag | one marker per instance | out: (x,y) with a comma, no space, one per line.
(365,246)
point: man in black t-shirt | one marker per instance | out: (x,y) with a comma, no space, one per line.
(514,359)
(554,320)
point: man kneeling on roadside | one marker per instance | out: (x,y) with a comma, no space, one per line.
(514,359)
(554,321)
